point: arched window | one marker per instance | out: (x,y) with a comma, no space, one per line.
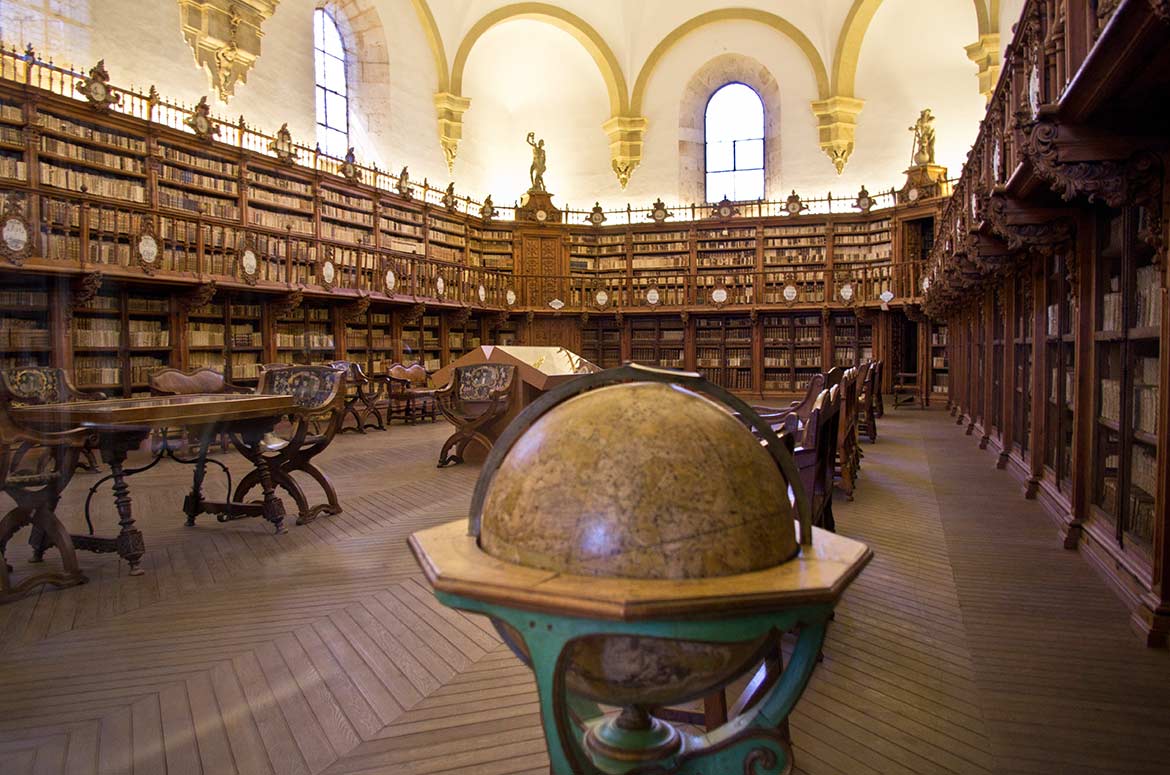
(734,134)
(332,94)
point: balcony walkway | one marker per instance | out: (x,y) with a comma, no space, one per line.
(972,643)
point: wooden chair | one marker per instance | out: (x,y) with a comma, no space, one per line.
(866,408)
(37,385)
(175,382)
(320,398)
(847,434)
(878,402)
(411,399)
(361,398)
(816,453)
(801,406)
(907,389)
(35,469)
(476,396)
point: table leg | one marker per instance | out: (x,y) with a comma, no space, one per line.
(253,438)
(193,503)
(129,543)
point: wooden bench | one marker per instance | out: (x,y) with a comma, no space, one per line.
(361,398)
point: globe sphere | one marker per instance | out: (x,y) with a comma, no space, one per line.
(642,480)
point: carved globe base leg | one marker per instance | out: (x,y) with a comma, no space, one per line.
(623,741)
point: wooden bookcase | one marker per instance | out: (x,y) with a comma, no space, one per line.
(1127,324)
(939,360)
(658,341)
(26,331)
(1059,378)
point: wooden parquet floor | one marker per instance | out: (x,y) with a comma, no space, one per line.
(971,644)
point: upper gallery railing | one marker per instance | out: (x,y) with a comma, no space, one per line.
(92,231)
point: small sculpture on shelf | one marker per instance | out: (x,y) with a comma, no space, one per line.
(596,215)
(658,211)
(403,186)
(449,198)
(864,201)
(96,87)
(725,208)
(349,168)
(487,210)
(793,205)
(923,139)
(200,121)
(282,145)
(536,171)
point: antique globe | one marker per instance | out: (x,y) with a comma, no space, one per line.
(633,537)
(642,480)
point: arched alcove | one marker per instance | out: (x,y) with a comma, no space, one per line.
(721,70)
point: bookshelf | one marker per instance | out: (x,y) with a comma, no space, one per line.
(852,340)
(658,341)
(108,163)
(383,345)
(446,238)
(779,346)
(505,334)
(25,326)
(421,342)
(305,335)
(939,359)
(197,182)
(723,351)
(120,337)
(346,216)
(13,160)
(800,244)
(655,251)
(462,337)
(244,339)
(490,248)
(1127,321)
(1059,359)
(206,332)
(601,342)
(807,351)
(279,200)
(401,228)
(726,248)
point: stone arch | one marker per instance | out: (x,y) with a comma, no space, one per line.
(578,28)
(778,23)
(856,24)
(706,80)
(435,41)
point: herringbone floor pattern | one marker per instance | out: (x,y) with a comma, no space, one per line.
(971,644)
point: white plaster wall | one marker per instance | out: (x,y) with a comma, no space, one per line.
(897,81)
(563,99)
(803,165)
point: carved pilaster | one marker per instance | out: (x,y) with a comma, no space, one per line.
(355,310)
(199,296)
(413,314)
(84,289)
(288,303)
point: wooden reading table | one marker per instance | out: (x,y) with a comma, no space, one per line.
(121,425)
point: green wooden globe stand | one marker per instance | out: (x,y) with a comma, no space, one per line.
(749,743)
(550,610)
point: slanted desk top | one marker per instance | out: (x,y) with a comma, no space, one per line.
(186,410)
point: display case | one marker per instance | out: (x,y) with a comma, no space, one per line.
(939,359)
(1060,376)
(1127,320)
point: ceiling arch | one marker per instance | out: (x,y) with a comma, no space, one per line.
(434,40)
(778,23)
(853,34)
(582,32)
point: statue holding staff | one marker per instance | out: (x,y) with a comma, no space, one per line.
(536,171)
(923,138)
